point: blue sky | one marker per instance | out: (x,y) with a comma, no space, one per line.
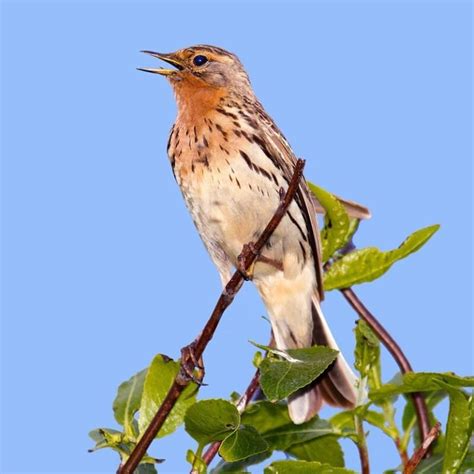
(102,267)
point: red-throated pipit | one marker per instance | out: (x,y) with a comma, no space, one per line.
(230,161)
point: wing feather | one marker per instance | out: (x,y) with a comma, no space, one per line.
(276,143)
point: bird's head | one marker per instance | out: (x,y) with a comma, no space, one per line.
(203,67)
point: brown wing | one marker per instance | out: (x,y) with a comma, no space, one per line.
(277,148)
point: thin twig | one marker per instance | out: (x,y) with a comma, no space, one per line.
(420,453)
(394,349)
(247,258)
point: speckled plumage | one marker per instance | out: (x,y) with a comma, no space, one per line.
(230,161)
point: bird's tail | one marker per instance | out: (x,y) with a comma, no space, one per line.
(336,387)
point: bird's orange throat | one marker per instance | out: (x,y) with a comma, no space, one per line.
(195,99)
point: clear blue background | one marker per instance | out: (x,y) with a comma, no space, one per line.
(102,267)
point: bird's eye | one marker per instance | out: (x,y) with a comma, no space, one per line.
(199,60)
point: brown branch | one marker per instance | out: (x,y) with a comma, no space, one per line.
(420,453)
(394,349)
(248,256)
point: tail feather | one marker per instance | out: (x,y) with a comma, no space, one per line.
(336,387)
(297,322)
(338,384)
(354,209)
(304,404)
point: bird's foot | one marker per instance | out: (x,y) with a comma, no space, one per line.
(247,250)
(189,364)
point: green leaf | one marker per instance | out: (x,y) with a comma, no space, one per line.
(242,443)
(336,222)
(379,421)
(197,463)
(284,372)
(211,420)
(119,442)
(434,464)
(304,467)
(158,381)
(370,263)
(271,420)
(421,382)
(257,359)
(458,431)
(409,415)
(109,438)
(127,402)
(241,466)
(265,416)
(409,421)
(145,468)
(285,436)
(367,354)
(325,449)
(344,420)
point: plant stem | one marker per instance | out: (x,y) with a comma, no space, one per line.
(362,445)
(419,454)
(248,256)
(396,352)
(389,415)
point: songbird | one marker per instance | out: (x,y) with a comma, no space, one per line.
(230,161)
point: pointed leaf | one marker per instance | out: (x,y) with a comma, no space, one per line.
(343,420)
(367,354)
(127,402)
(434,464)
(378,420)
(293,369)
(370,263)
(336,222)
(304,467)
(211,420)
(108,438)
(242,443)
(158,381)
(458,431)
(325,449)
(409,414)
(421,382)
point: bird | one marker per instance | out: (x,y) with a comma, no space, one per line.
(230,161)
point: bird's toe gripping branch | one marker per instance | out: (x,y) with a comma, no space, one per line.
(248,251)
(189,364)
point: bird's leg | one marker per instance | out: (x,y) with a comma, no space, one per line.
(189,362)
(278,264)
(249,248)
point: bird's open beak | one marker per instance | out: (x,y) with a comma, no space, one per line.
(169,58)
